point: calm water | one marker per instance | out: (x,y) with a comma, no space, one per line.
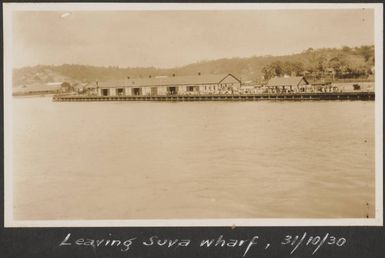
(124,160)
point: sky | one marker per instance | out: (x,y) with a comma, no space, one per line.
(175,38)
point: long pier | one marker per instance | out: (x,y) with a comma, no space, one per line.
(228,97)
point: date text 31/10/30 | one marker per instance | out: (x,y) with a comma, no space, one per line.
(317,241)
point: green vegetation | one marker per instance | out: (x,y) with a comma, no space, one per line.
(320,64)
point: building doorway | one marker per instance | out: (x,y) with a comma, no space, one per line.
(172,90)
(105,92)
(120,91)
(136,91)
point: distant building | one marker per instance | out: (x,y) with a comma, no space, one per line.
(36,89)
(66,87)
(152,86)
(287,84)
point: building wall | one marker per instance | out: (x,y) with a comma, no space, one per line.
(204,88)
(228,85)
(162,90)
(223,88)
(230,81)
(182,89)
(146,91)
(212,88)
(127,91)
(302,86)
(111,91)
(192,89)
(302,83)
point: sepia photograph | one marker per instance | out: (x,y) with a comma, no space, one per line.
(193,114)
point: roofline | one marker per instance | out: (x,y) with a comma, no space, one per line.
(164,85)
(302,78)
(231,76)
(157,85)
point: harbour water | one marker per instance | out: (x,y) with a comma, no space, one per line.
(156,160)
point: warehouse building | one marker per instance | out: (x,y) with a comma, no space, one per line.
(170,85)
(287,84)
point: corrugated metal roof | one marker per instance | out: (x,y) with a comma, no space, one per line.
(164,81)
(286,81)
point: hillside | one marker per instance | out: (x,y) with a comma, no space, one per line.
(341,63)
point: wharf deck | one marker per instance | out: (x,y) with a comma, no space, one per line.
(216,97)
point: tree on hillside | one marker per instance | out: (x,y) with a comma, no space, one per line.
(278,68)
(346,49)
(273,69)
(366,51)
(334,63)
(322,63)
(290,68)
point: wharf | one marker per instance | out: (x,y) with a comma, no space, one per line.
(217,97)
